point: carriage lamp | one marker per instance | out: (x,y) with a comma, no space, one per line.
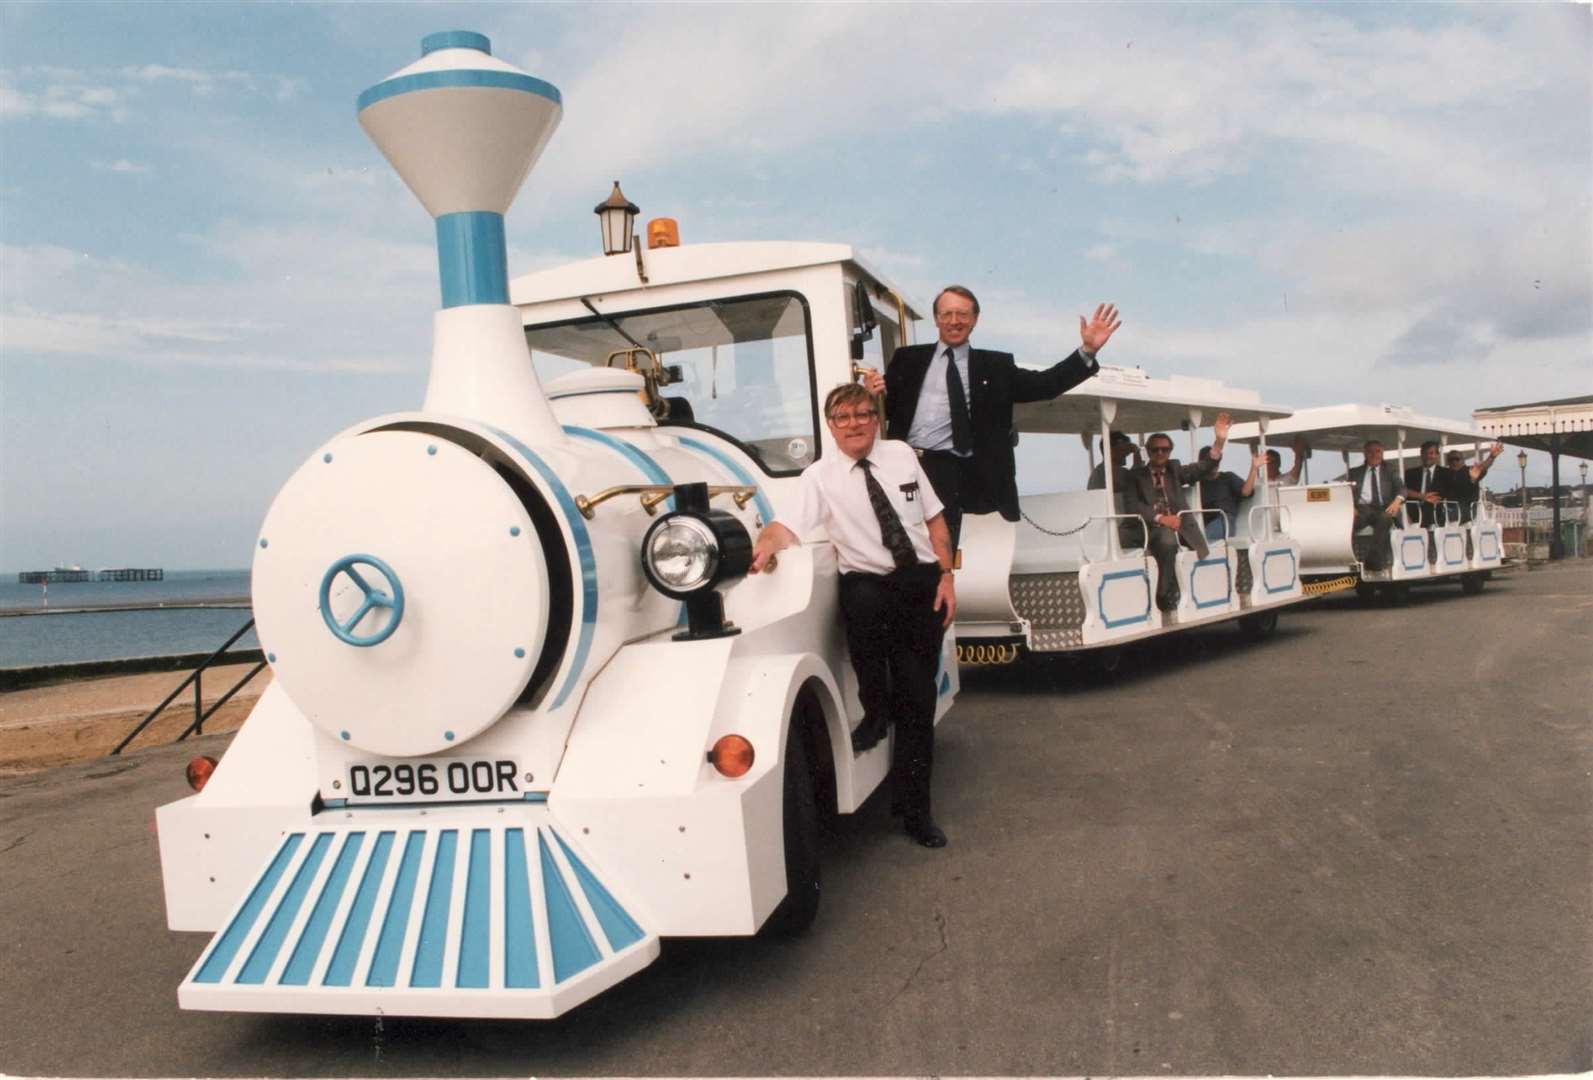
(199,770)
(732,756)
(616,217)
(687,553)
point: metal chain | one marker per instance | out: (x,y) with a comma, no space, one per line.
(1080,527)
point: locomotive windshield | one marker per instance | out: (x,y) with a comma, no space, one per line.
(745,366)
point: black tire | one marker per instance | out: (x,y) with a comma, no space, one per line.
(1366,590)
(1258,627)
(1471,584)
(799,827)
(1109,664)
(1398,595)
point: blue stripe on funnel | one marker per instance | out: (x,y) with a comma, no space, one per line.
(455,39)
(472,260)
(442,80)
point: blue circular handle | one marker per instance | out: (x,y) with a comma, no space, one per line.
(374,598)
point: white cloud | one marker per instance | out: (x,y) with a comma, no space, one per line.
(122,165)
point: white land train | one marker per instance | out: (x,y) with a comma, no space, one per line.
(1073,573)
(527,714)
(1464,544)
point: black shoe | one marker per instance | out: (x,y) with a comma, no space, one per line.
(866,737)
(926,832)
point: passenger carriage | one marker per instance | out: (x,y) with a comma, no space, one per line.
(1464,544)
(1072,574)
(528,715)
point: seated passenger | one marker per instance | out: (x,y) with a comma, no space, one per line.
(1155,492)
(1423,482)
(1122,448)
(1275,473)
(1222,493)
(1463,484)
(1379,492)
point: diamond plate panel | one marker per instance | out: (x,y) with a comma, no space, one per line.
(1048,601)
(1242,586)
(1055,640)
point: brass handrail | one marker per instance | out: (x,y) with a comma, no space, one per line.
(653,494)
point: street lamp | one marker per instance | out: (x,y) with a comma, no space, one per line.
(1526,529)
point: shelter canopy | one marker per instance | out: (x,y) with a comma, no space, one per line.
(1535,424)
(1143,404)
(1349,427)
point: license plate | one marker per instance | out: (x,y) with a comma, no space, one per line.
(435,780)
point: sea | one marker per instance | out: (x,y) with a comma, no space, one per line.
(62,638)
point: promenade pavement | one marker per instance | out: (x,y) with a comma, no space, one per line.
(1361,847)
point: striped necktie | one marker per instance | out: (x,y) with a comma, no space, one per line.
(890,525)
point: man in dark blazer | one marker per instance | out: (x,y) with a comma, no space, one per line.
(1155,493)
(958,415)
(1426,482)
(1379,492)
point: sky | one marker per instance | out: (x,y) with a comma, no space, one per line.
(206,270)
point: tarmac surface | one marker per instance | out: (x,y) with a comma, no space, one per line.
(1360,847)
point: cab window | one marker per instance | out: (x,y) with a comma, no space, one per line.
(745,367)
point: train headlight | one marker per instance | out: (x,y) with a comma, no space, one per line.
(680,554)
(691,550)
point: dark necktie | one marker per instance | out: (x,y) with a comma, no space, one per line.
(1377,490)
(1427,480)
(961,426)
(890,526)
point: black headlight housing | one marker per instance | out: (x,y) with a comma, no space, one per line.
(691,551)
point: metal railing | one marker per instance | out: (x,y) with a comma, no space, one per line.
(196,677)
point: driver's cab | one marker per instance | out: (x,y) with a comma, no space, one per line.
(735,340)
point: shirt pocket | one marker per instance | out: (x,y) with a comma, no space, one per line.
(908,501)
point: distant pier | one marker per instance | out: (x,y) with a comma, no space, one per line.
(70,575)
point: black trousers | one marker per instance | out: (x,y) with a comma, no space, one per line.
(955,483)
(1382,525)
(894,632)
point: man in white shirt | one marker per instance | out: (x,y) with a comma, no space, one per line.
(896,591)
(1379,492)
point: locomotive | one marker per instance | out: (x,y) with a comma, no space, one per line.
(528,712)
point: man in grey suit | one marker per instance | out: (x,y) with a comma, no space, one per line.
(1155,492)
(1379,491)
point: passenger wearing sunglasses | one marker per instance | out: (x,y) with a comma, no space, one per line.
(1155,492)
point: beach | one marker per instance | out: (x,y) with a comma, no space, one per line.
(83,719)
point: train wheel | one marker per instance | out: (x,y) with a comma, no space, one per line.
(1398,595)
(1471,584)
(1109,664)
(800,831)
(1366,591)
(1257,627)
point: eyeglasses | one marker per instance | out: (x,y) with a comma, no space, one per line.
(955,317)
(1160,448)
(862,416)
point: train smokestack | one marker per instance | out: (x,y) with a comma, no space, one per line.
(463,129)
